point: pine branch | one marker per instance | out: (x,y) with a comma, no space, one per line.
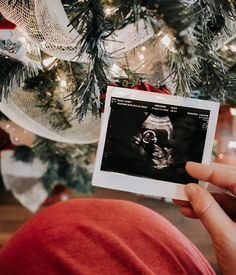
(13,75)
(212,21)
(185,72)
(213,75)
(66,164)
(205,71)
(44,86)
(230,86)
(90,22)
(23,153)
(228,95)
(127,12)
(213,17)
(177,15)
(215,8)
(86,97)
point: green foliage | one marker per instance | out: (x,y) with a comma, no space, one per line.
(66,164)
(13,75)
(127,12)
(230,86)
(205,70)
(89,19)
(212,22)
(185,72)
(194,63)
(179,17)
(45,86)
(23,153)
(90,22)
(213,76)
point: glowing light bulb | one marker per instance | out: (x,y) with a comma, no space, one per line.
(108,11)
(141,56)
(224,48)
(143,48)
(166,40)
(233,111)
(63,83)
(221,156)
(16,139)
(49,62)
(232,48)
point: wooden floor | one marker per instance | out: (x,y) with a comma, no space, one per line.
(13,215)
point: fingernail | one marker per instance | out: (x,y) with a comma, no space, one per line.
(190,190)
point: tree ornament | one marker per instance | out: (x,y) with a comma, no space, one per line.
(144,86)
(14,45)
(6,25)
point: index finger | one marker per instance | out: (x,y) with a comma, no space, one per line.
(221,175)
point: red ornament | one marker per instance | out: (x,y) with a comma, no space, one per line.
(7,25)
(144,86)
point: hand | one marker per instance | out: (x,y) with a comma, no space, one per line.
(216,211)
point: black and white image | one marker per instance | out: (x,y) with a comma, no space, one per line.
(147,138)
(154,140)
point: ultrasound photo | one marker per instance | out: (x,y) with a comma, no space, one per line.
(153,140)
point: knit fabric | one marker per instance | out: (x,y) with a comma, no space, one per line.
(96,236)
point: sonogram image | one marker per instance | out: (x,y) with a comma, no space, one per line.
(155,141)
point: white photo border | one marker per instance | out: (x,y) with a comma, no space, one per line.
(142,185)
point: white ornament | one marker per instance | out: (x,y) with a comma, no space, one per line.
(14,45)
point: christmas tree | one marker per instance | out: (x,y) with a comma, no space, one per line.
(58,57)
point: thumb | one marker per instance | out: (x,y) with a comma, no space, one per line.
(208,211)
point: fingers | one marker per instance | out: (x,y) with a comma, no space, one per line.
(226,202)
(221,175)
(188,212)
(208,211)
(185,208)
(182,203)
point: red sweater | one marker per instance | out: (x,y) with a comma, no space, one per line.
(95,236)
